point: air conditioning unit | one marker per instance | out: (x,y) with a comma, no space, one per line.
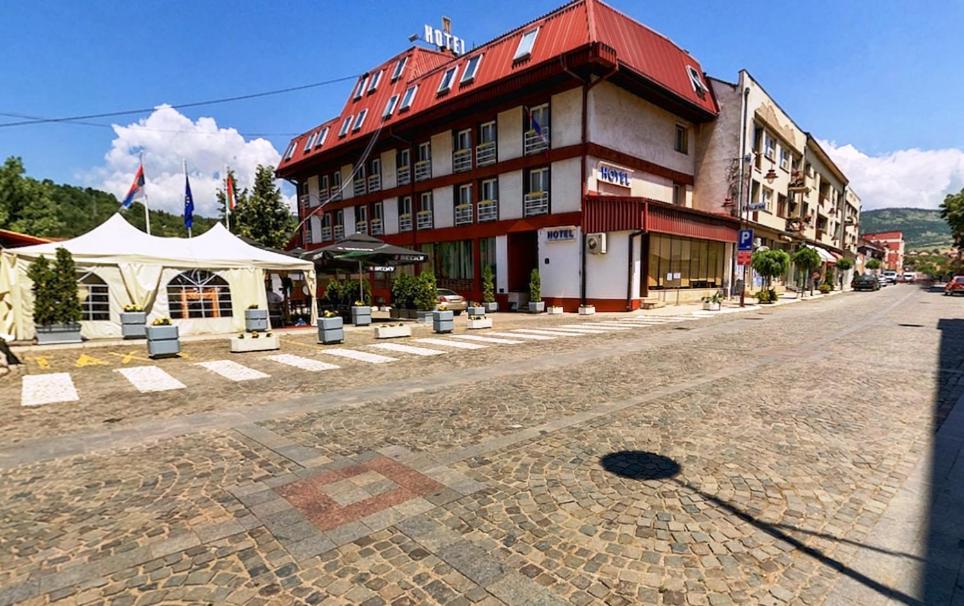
(596,244)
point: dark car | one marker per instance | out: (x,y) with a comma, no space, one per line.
(955,286)
(865,282)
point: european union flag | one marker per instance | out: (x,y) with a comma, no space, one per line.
(188,203)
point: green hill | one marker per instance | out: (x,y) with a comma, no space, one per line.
(922,228)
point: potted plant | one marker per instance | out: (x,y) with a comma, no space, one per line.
(392,331)
(255,319)
(554,310)
(403,296)
(536,304)
(477,321)
(475,309)
(770,263)
(162,339)
(57,308)
(488,289)
(825,288)
(133,322)
(425,297)
(713,302)
(766,296)
(443,320)
(843,264)
(361,314)
(254,341)
(330,328)
(586,309)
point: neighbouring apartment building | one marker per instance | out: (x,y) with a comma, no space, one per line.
(893,243)
(583,144)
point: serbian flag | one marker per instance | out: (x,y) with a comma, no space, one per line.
(137,187)
(229,192)
(535,125)
(188,203)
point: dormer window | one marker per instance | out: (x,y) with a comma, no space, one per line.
(322,137)
(696,80)
(447,78)
(360,89)
(310,142)
(470,69)
(290,151)
(399,68)
(360,119)
(344,127)
(375,81)
(528,40)
(390,106)
(408,97)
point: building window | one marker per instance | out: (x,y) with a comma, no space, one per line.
(682,139)
(487,256)
(376,227)
(769,149)
(360,119)
(390,106)
(453,265)
(345,125)
(361,219)
(536,136)
(784,158)
(470,69)
(290,151)
(425,218)
(679,194)
(405,213)
(489,201)
(447,78)
(198,294)
(462,151)
(766,199)
(696,80)
(94,298)
(403,169)
(408,98)
(360,89)
(423,167)
(486,151)
(463,204)
(536,199)
(399,68)
(375,82)
(676,262)
(528,40)
(309,143)
(322,137)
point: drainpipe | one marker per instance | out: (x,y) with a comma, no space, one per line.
(740,204)
(629,274)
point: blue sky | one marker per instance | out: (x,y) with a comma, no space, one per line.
(882,77)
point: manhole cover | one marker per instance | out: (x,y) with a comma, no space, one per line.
(683,328)
(912,325)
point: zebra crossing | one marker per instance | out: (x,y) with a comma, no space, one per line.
(58,387)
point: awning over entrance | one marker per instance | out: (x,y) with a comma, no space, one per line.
(619,213)
(359,247)
(825,255)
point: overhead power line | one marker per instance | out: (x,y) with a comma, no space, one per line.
(147,128)
(126,112)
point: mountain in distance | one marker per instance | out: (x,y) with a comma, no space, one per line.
(923,228)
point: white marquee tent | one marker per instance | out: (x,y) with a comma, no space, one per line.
(161,275)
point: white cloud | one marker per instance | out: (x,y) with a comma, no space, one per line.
(167,138)
(909,177)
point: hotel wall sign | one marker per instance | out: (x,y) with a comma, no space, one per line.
(444,39)
(621,177)
(560,234)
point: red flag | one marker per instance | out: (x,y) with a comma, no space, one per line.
(230,192)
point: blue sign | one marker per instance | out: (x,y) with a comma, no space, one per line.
(614,175)
(561,234)
(745,240)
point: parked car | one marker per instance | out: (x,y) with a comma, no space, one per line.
(909,276)
(890,276)
(865,282)
(452,300)
(955,286)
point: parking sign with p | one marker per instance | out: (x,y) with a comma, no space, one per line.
(745,240)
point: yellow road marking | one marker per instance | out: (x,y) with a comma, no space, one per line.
(288,340)
(42,362)
(86,360)
(129,356)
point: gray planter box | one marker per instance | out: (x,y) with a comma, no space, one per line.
(423,317)
(537,307)
(443,321)
(163,341)
(331,330)
(133,324)
(361,315)
(491,306)
(256,320)
(58,333)
(475,311)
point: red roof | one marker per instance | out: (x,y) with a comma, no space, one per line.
(885,235)
(13,239)
(639,49)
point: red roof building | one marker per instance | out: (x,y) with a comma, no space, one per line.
(13,239)
(893,243)
(582,122)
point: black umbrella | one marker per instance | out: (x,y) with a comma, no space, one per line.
(362,248)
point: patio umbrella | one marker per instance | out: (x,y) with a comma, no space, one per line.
(362,248)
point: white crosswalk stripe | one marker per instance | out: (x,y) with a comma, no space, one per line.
(233,371)
(520,335)
(150,378)
(409,349)
(581,330)
(302,363)
(549,333)
(618,324)
(361,356)
(592,326)
(451,343)
(488,339)
(50,388)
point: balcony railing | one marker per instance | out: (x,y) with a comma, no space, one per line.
(462,160)
(376,227)
(488,210)
(463,214)
(405,222)
(335,194)
(359,186)
(361,227)
(339,232)
(322,195)
(303,200)
(374,182)
(325,233)
(423,170)
(485,153)
(403,176)
(536,203)
(423,219)
(535,143)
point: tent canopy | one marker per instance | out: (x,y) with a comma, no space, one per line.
(359,247)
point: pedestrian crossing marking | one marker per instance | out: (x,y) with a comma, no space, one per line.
(547,332)
(488,339)
(593,326)
(51,388)
(302,363)
(451,343)
(523,336)
(617,324)
(410,349)
(150,378)
(361,356)
(232,370)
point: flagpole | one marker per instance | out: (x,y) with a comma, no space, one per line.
(227,199)
(147,213)
(185,180)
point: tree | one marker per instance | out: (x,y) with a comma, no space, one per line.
(240,195)
(39,215)
(806,260)
(872,264)
(770,263)
(426,294)
(67,309)
(41,274)
(263,216)
(952,211)
(488,288)
(535,286)
(843,264)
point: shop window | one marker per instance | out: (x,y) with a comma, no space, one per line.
(454,265)
(676,262)
(94,298)
(198,294)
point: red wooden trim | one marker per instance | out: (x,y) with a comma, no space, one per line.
(618,213)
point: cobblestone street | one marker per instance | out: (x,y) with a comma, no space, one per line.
(745,458)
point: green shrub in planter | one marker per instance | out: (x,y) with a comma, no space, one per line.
(536,304)
(488,289)
(57,310)
(825,288)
